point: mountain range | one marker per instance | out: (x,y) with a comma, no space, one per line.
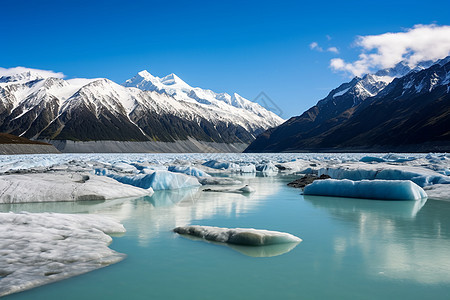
(400,109)
(147,112)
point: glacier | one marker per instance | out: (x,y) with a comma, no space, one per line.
(40,248)
(367,189)
(238,236)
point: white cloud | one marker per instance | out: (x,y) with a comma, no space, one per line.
(333,49)
(315,46)
(414,45)
(43,73)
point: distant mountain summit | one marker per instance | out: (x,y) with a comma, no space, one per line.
(180,90)
(147,109)
(397,109)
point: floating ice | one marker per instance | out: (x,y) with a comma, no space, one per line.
(367,189)
(248,169)
(188,170)
(37,249)
(358,171)
(268,168)
(221,165)
(124,167)
(158,180)
(218,181)
(438,191)
(243,190)
(238,236)
(63,186)
(371,159)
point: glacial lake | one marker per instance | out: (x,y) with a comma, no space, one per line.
(351,248)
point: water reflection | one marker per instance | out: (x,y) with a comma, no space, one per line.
(348,206)
(148,217)
(397,239)
(171,197)
(253,251)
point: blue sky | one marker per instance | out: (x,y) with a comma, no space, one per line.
(227,46)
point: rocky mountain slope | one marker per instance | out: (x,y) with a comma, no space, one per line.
(89,110)
(399,109)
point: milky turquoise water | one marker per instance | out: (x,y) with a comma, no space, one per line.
(351,249)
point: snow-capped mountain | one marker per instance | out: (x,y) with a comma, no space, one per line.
(384,111)
(180,90)
(99,109)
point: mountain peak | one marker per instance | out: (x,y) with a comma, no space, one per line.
(22,76)
(144,74)
(172,79)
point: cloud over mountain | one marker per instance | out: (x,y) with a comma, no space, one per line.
(42,73)
(414,45)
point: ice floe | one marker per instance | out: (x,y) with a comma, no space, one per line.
(218,181)
(221,165)
(359,171)
(367,189)
(63,186)
(268,168)
(188,170)
(238,236)
(243,190)
(37,249)
(438,192)
(158,180)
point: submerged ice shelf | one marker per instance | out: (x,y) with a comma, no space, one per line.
(37,249)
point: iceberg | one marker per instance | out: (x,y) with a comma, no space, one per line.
(268,168)
(124,167)
(158,180)
(221,165)
(243,190)
(188,170)
(63,186)
(359,171)
(248,169)
(37,249)
(238,236)
(367,189)
(438,192)
(218,181)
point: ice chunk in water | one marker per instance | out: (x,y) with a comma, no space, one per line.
(188,170)
(238,236)
(37,249)
(222,165)
(158,180)
(63,186)
(367,189)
